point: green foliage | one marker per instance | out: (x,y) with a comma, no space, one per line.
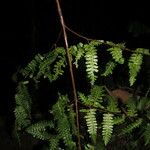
(119,120)
(131,108)
(146,134)
(91,62)
(95,98)
(32,67)
(134,64)
(78,52)
(116,52)
(91,123)
(50,65)
(63,124)
(132,126)
(107,128)
(23,106)
(54,142)
(38,130)
(109,68)
(102,118)
(112,104)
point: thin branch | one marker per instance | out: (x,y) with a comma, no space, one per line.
(77,34)
(71,72)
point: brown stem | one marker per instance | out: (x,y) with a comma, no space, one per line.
(71,72)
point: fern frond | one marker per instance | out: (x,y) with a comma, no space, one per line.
(132,126)
(58,69)
(78,52)
(143,51)
(116,53)
(32,67)
(56,60)
(91,62)
(92,100)
(23,106)
(71,117)
(107,127)
(110,66)
(59,108)
(38,130)
(23,97)
(54,142)
(131,108)
(119,120)
(62,121)
(97,93)
(22,118)
(91,123)
(135,62)
(64,131)
(146,134)
(112,104)
(45,65)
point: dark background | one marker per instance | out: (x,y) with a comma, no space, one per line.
(29,27)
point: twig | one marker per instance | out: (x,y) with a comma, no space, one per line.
(71,72)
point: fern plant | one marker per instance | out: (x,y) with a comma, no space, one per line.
(103,117)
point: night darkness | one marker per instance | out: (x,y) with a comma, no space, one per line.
(29,27)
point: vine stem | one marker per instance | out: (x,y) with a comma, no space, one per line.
(71,72)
